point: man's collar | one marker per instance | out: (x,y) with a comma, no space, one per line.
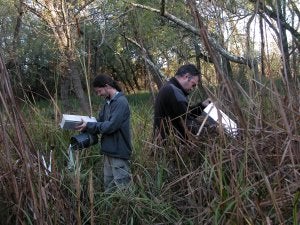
(109,100)
(174,81)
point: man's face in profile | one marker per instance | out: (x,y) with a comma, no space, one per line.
(102,91)
(190,82)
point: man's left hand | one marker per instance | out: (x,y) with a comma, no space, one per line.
(206,102)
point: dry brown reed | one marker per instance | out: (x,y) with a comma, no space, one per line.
(29,194)
(211,179)
(250,179)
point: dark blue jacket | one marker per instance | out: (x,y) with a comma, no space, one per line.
(114,126)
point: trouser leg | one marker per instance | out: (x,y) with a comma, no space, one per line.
(116,173)
(121,172)
(108,174)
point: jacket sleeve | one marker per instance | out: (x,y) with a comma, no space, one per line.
(189,117)
(118,112)
(192,124)
(197,109)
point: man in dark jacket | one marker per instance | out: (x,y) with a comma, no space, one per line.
(172,111)
(114,126)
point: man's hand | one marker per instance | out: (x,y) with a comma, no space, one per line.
(206,102)
(82,126)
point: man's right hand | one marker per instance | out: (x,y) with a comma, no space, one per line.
(82,126)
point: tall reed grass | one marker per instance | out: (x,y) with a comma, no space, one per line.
(214,179)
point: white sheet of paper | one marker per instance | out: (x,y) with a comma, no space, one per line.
(219,116)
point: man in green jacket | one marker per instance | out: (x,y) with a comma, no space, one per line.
(113,124)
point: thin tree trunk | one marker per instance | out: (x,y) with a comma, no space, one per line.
(13,60)
(135,77)
(283,44)
(77,84)
(262,50)
(65,85)
(198,53)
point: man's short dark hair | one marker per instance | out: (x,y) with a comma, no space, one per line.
(188,68)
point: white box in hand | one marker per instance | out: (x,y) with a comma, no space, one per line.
(70,122)
(220,117)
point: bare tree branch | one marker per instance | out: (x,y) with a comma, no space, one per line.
(162,8)
(83,6)
(183,24)
(272,14)
(158,75)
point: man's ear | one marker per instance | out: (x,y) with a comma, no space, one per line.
(189,77)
